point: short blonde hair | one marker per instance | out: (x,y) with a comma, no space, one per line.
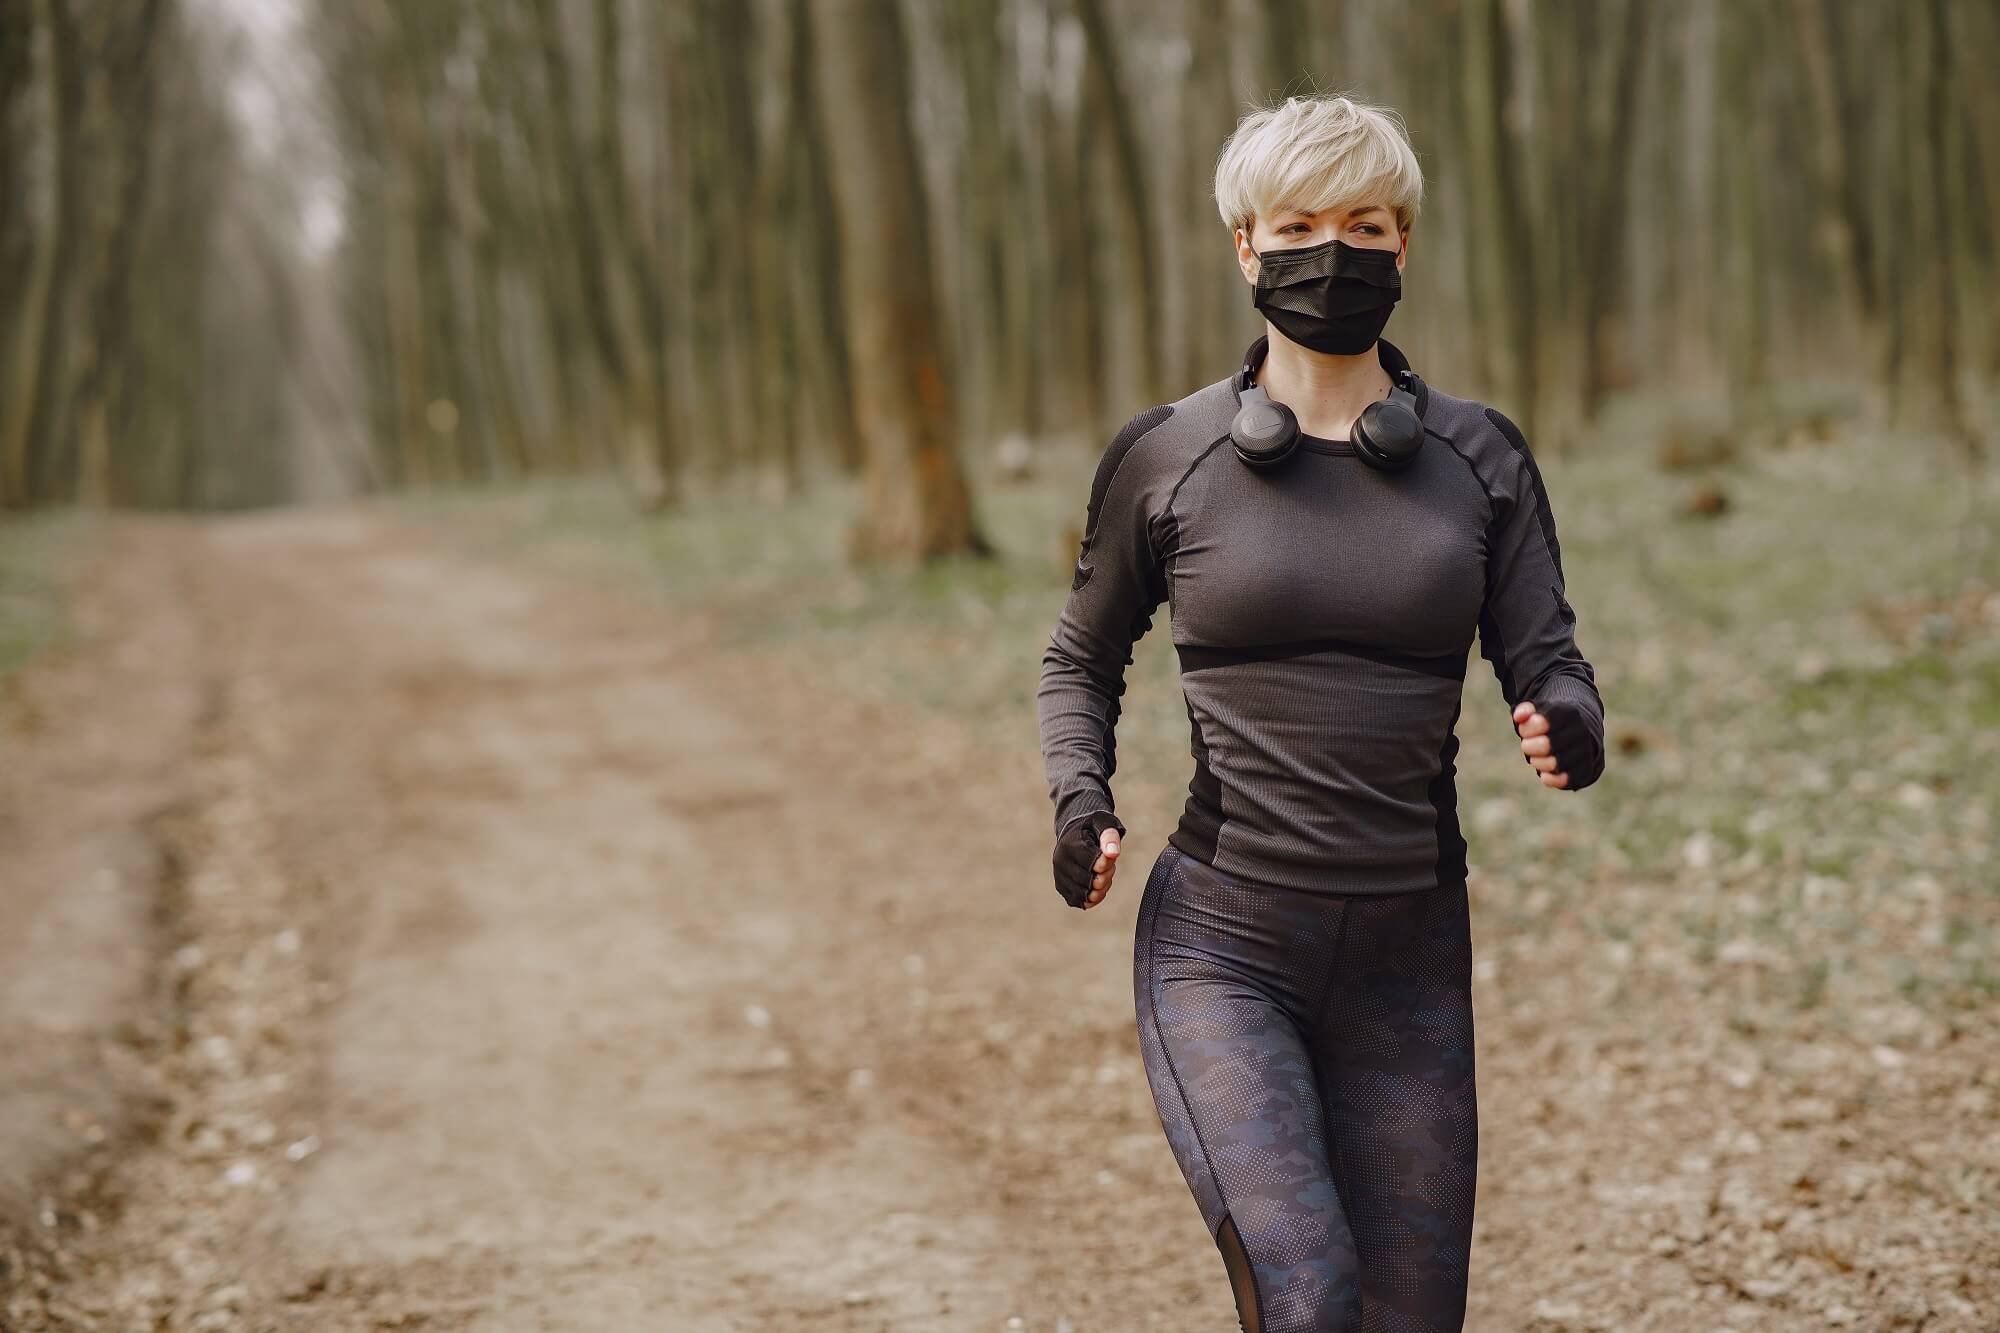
(1317,152)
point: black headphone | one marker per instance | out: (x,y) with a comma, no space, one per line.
(1387,435)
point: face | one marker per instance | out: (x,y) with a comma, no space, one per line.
(1370,225)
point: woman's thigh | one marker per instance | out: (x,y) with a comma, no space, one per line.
(1393,1052)
(1233,1080)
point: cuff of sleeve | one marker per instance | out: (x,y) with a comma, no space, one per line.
(1573,690)
(1101,819)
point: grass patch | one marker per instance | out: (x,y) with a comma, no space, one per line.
(36,552)
(1783,769)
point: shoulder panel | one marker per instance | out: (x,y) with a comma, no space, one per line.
(1526,458)
(1456,419)
(1206,413)
(1114,458)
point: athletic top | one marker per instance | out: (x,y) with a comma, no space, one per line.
(1323,612)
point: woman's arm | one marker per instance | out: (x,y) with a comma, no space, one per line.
(1526,627)
(1119,582)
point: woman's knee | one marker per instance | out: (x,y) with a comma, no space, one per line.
(1316,1296)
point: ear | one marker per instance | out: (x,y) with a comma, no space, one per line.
(1246,256)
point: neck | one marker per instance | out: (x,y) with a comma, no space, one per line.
(1325,391)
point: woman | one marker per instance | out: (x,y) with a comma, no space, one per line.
(1330,532)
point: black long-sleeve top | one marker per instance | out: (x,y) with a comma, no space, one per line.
(1323,613)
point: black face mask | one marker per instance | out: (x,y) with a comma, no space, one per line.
(1331,297)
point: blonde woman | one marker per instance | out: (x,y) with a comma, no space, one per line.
(1330,533)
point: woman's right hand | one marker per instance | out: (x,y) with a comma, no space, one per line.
(1086,860)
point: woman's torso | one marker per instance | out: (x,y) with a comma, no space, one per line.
(1324,614)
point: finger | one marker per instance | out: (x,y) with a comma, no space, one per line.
(1110,843)
(1100,865)
(1536,725)
(1546,763)
(1522,710)
(1534,745)
(1557,779)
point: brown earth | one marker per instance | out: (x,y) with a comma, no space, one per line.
(431,942)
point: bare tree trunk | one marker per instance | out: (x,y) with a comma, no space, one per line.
(1218,301)
(775,194)
(18,314)
(1933,73)
(1830,156)
(597,233)
(110,340)
(1743,145)
(47,474)
(1134,200)
(1976,39)
(1503,269)
(1609,220)
(917,501)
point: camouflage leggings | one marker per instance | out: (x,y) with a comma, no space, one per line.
(1311,1059)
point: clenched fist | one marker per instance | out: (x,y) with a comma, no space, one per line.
(1087,857)
(1561,745)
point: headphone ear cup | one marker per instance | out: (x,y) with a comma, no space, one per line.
(1389,434)
(1264,433)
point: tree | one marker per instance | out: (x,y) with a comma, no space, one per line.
(917,502)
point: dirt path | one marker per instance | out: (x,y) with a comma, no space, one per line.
(534,976)
(525,963)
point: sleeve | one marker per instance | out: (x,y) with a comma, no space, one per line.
(1526,626)
(1119,582)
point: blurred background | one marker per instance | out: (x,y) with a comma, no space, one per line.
(527,529)
(258,252)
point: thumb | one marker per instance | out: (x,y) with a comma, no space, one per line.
(1108,841)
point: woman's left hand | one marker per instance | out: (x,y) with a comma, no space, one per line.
(1534,729)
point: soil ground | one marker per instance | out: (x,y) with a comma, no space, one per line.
(415,938)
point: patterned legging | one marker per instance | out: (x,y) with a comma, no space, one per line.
(1311,1059)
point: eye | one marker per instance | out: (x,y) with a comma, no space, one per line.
(1287,228)
(1369,229)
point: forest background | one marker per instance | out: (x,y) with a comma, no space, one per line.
(527,532)
(262,252)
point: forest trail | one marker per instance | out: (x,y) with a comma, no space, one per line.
(538,969)
(464,941)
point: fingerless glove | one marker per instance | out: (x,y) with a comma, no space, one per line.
(1077,851)
(1576,732)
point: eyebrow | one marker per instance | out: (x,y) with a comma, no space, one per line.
(1360,210)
